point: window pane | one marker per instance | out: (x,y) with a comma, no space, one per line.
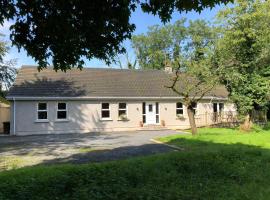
(143,107)
(61,114)
(105,114)
(194,105)
(144,119)
(105,105)
(215,107)
(42,115)
(122,105)
(122,112)
(179,111)
(179,105)
(221,107)
(157,118)
(42,106)
(150,108)
(157,108)
(62,106)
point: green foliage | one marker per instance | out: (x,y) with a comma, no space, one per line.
(221,164)
(244,54)
(66,31)
(189,50)
(7,70)
(159,45)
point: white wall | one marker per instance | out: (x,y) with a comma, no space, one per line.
(85,116)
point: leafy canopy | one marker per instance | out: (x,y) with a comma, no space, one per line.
(64,32)
(243,52)
(7,71)
(187,49)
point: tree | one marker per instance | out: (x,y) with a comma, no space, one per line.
(67,31)
(7,71)
(189,52)
(159,44)
(243,52)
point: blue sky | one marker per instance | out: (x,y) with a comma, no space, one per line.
(140,19)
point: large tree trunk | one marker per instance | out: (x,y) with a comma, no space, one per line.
(247,124)
(191,118)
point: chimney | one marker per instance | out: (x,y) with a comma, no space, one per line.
(168,68)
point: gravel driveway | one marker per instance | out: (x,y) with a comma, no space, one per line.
(82,148)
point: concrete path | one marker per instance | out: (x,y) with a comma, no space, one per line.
(83,148)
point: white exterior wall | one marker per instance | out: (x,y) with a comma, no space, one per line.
(202,117)
(85,116)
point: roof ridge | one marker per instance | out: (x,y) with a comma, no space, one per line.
(93,68)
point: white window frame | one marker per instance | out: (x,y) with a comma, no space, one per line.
(218,106)
(46,110)
(65,119)
(126,109)
(180,108)
(106,109)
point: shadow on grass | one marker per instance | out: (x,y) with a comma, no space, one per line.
(204,171)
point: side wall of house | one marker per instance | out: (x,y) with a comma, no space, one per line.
(85,116)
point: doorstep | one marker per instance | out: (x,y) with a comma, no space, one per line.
(152,128)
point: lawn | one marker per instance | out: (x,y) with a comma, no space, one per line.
(216,139)
(217,164)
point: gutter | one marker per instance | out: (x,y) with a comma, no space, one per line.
(104,98)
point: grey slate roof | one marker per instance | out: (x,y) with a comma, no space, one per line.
(96,82)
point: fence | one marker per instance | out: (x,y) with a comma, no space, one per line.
(227,119)
(4,116)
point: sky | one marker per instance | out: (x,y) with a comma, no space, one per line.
(140,19)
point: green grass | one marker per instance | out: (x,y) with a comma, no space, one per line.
(219,164)
(216,139)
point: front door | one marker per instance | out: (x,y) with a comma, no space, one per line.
(150,112)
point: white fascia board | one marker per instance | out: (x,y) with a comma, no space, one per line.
(103,98)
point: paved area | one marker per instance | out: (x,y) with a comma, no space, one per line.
(82,148)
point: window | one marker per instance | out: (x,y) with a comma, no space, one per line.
(144,113)
(194,106)
(221,107)
(150,108)
(218,107)
(179,108)
(61,111)
(157,112)
(42,111)
(122,109)
(105,111)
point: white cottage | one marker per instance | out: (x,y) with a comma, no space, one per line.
(92,100)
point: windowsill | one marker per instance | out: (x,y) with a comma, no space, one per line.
(105,119)
(62,120)
(42,121)
(123,120)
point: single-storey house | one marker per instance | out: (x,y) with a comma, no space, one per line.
(99,99)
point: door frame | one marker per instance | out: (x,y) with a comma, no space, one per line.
(154,110)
